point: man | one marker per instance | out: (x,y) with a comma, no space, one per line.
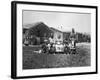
(73,37)
(51,45)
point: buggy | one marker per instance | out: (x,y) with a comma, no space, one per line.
(60,47)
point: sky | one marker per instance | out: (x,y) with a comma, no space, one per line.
(63,21)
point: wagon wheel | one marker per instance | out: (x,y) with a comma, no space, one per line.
(52,50)
(67,50)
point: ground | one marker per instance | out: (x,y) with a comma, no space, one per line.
(33,60)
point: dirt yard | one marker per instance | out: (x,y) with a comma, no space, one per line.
(33,60)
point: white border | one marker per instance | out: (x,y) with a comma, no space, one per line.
(33,72)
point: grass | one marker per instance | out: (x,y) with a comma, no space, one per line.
(32,60)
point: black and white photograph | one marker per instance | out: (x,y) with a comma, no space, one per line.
(54,39)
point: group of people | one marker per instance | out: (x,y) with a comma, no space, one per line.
(72,38)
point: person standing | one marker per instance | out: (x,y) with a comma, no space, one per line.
(73,37)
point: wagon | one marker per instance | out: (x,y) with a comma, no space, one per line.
(59,47)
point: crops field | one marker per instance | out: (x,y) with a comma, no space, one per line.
(33,60)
